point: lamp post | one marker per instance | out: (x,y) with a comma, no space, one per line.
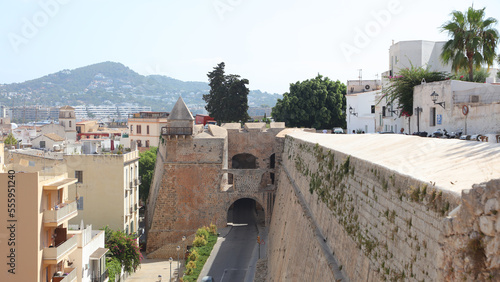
(178,262)
(418,110)
(183,248)
(434,97)
(170,277)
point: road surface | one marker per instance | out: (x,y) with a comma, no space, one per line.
(234,256)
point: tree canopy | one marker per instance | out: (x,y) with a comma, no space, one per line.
(473,40)
(10,140)
(228,97)
(400,89)
(316,103)
(147,163)
(123,249)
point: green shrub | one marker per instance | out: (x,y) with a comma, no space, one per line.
(213,229)
(202,232)
(199,241)
(190,267)
(193,255)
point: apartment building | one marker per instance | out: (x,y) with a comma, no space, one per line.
(35,243)
(107,186)
(145,128)
(107,189)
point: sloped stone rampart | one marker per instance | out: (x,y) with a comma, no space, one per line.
(378,222)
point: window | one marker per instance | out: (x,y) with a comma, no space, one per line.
(433,116)
(42,144)
(373,109)
(147,143)
(138,129)
(147,131)
(70,123)
(131,128)
(79,176)
(79,204)
(383,111)
(139,143)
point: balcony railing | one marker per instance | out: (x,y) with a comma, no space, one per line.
(61,212)
(131,184)
(58,252)
(101,278)
(177,131)
(137,182)
(69,274)
(135,207)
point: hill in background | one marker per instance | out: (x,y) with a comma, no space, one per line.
(111,83)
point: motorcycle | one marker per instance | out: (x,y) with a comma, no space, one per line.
(456,134)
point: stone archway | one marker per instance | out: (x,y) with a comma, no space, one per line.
(245,211)
(244,161)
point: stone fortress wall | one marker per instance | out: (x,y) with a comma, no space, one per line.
(198,177)
(393,207)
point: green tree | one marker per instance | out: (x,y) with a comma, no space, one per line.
(10,140)
(147,163)
(317,103)
(228,97)
(400,89)
(473,40)
(124,248)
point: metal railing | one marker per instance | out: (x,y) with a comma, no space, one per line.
(177,131)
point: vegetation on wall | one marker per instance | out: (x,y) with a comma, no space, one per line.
(147,163)
(331,176)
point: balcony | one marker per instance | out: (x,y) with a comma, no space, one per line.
(61,213)
(56,254)
(68,275)
(137,182)
(176,131)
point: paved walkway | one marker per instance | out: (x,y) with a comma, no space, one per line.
(151,268)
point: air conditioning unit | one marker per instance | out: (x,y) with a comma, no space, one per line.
(474,99)
(367,87)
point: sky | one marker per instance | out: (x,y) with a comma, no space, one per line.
(271,43)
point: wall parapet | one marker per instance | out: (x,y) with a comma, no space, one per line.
(380,222)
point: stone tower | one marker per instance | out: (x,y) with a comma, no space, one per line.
(202,172)
(67,119)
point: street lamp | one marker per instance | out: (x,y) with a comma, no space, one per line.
(178,262)
(434,97)
(183,248)
(170,277)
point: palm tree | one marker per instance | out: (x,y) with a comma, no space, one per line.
(473,40)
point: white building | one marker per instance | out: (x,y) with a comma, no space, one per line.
(418,53)
(361,111)
(473,107)
(90,254)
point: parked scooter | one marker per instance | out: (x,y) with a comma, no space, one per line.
(456,134)
(437,134)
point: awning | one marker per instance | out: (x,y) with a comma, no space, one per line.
(97,254)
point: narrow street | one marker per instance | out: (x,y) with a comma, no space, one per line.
(234,256)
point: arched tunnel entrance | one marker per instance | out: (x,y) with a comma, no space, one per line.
(245,211)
